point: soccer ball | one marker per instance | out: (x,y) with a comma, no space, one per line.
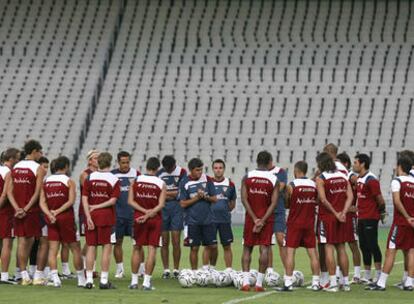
(214,277)
(298,278)
(252,278)
(238,280)
(203,278)
(186,278)
(224,279)
(272,279)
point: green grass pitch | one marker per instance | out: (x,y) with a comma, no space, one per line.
(169,291)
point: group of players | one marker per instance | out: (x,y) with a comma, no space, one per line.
(334,207)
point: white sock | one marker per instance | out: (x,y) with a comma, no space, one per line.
(315,280)
(269,270)
(405,275)
(176,270)
(408,282)
(167,271)
(206,267)
(357,272)
(65,268)
(332,281)
(81,277)
(32,270)
(246,281)
(46,271)
(288,280)
(25,275)
(55,277)
(38,274)
(104,277)
(89,276)
(141,269)
(259,281)
(338,272)
(345,280)
(367,274)
(228,269)
(382,281)
(120,267)
(324,279)
(377,275)
(134,278)
(4,276)
(147,281)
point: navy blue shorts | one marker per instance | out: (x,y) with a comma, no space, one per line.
(225,232)
(280,223)
(123,227)
(172,217)
(197,235)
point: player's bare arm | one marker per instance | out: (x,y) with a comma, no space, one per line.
(45,208)
(322,197)
(3,195)
(245,202)
(71,199)
(85,204)
(18,211)
(288,195)
(400,207)
(41,173)
(133,203)
(349,199)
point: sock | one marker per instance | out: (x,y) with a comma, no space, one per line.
(81,277)
(367,274)
(147,281)
(4,276)
(315,280)
(46,272)
(141,268)
(120,267)
(104,277)
(32,270)
(167,270)
(134,278)
(259,281)
(89,276)
(357,272)
(338,272)
(288,280)
(228,269)
(65,268)
(25,275)
(332,281)
(246,281)
(405,275)
(324,279)
(345,280)
(18,273)
(55,277)
(176,270)
(382,281)
(38,275)
(377,275)
(269,270)
(408,282)
(206,267)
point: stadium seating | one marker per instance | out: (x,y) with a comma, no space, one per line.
(215,79)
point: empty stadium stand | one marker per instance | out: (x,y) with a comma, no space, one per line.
(215,79)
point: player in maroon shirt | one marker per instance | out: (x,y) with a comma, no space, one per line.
(56,201)
(335,196)
(147,197)
(371,207)
(23,193)
(401,236)
(259,194)
(9,158)
(302,201)
(99,195)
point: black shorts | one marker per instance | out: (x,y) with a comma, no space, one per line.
(225,232)
(123,227)
(200,235)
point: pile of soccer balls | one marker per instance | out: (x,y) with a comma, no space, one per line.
(189,278)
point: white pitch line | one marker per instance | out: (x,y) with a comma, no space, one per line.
(265,294)
(260,295)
